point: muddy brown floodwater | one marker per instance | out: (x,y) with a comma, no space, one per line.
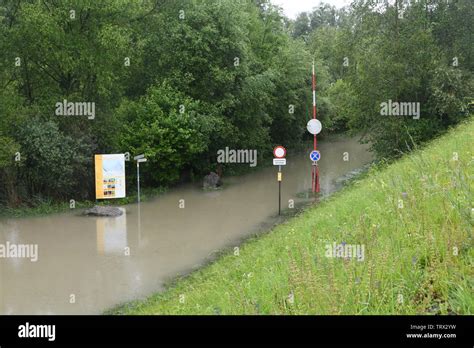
(83,260)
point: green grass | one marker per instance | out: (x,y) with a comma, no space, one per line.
(39,207)
(418,256)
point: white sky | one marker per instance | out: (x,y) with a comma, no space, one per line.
(291,8)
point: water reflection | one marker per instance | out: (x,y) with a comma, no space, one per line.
(112,234)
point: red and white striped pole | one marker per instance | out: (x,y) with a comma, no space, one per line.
(314,102)
(314,167)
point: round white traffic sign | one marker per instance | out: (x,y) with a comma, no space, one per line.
(315,156)
(314,126)
(279,152)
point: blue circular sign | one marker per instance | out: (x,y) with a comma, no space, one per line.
(315,155)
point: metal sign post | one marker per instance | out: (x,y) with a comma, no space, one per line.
(138,181)
(139,159)
(279,152)
(314,126)
(279,190)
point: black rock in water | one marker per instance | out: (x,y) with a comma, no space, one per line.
(212,181)
(103,211)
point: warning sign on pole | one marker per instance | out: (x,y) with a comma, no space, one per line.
(279,152)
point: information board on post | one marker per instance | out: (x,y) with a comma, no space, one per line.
(110,176)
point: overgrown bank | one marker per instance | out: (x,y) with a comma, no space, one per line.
(413,221)
(44,206)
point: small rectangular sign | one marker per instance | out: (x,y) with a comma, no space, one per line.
(279,176)
(279,161)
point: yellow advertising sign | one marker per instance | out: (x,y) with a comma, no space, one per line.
(109,176)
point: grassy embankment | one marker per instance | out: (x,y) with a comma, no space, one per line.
(414,219)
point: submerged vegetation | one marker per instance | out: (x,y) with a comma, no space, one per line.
(39,206)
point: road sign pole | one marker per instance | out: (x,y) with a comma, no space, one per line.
(139,158)
(317,128)
(279,197)
(279,190)
(279,153)
(314,185)
(138,181)
(317,178)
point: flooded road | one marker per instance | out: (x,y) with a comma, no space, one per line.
(86,265)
